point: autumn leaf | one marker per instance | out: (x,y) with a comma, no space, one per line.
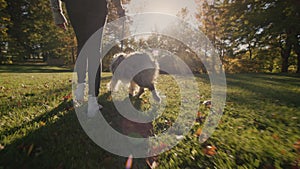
(275,136)
(1,147)
(210,150)
(198,132)
(46,85)
(23,86)
(67,97)
(297,146)
(128,164)
(200,118)
(283,152)
(19,103)
(42,123)
(30,149)
(199,114)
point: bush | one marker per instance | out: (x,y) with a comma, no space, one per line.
(241,65)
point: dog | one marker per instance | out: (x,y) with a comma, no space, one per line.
(138,70)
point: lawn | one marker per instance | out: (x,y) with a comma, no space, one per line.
(260,127)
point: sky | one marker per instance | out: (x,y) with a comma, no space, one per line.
(170,7)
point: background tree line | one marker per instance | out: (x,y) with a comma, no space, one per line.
(254,35)
(249,35)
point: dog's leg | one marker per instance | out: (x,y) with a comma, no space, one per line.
(141,91)
(132,88)
(114,85)
(154,93)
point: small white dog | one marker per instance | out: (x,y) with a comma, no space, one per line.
(137,69)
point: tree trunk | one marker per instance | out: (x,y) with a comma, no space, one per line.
(250,53)
(285,54)
(298,63)
(297,50)
(285,64)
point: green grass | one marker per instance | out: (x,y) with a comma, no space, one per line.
(39,127)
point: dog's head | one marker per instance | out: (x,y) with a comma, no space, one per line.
(117,59)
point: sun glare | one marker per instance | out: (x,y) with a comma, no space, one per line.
(169,7)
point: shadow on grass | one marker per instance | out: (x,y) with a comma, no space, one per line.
(266,88)
(33,69)
(61,143)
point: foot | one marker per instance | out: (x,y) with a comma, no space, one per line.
(93,107)
(79,92)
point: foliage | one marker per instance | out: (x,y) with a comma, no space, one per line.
(241,65)
(239,27)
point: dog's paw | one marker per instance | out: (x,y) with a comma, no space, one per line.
(157,98)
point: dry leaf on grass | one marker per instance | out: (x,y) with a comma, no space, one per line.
(210,150)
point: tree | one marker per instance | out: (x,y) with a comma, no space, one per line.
(269,21)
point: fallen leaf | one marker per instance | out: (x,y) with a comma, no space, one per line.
(67,97)
(199,114)
(275,136)
(30,149)
(210,150)
(283,152)
(294,118)
(19,103)
(1,147)
(179,137)
(128,164)
(198,132)
(42,123)
(297,146)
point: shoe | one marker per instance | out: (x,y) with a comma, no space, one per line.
(93,107)
(79,92)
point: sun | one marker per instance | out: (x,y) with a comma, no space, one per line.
(169,7)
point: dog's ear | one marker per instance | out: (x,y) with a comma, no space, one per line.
(116,61)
